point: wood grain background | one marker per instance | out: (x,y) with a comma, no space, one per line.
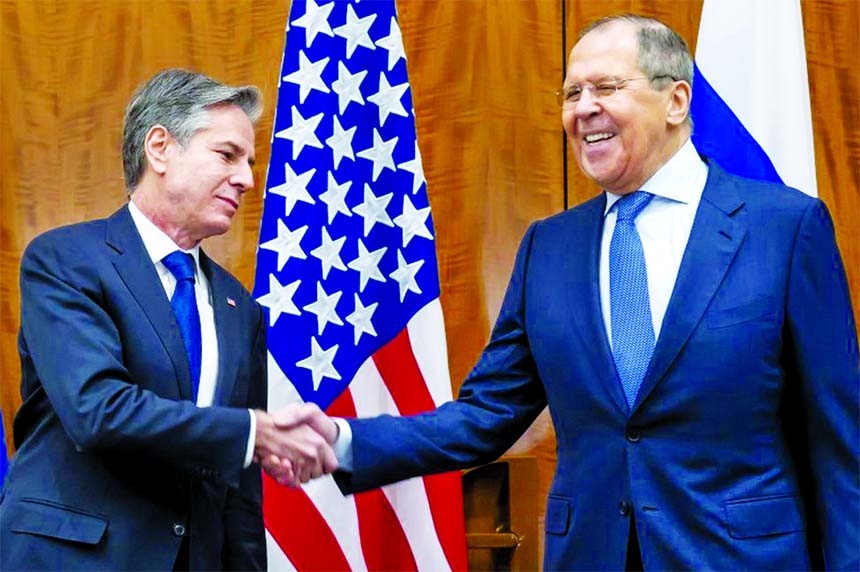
(483,74)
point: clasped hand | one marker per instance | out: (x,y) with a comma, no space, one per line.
(294,444)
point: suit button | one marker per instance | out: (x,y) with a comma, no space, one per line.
(633,435)
(624,508)
(178,529)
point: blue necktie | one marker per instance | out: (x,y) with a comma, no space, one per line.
(630,306)
(184,304)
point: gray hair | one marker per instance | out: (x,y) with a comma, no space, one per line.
(663,53)
(179,101)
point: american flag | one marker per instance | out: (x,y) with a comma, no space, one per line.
(346,268)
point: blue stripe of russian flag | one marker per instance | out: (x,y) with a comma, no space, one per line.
(719,134)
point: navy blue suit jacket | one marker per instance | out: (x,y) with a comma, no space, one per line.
(114,463)
(741,450)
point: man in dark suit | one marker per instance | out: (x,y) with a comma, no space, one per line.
(144,362)
(691,332)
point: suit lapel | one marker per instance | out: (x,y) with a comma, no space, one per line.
(714,241)
(584,295)
(226,325)
(134,267)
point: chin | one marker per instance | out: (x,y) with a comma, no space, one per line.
(217,229)
(600,177)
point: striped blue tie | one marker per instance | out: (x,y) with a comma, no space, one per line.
(184,304)
(630,306)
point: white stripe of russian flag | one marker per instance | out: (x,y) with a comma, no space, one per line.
(751,93)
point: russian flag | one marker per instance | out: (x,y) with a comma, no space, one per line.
(750,105)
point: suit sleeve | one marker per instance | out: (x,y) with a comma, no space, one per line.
(70,340)
(245,536)
(823,336)
(498,401)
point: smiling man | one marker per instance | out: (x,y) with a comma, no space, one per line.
(691,332)
(620,142)
(144,362)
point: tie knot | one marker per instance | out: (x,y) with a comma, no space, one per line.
(180,264)
(629,206)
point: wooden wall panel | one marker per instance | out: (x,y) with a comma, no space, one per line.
(525,178)
(832,52)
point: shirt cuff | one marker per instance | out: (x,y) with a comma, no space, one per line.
(252,440)
(343,445)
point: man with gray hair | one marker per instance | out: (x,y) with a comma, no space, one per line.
(144,362)
(691,332)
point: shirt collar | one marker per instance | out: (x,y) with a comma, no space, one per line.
(157,243)
(675,180)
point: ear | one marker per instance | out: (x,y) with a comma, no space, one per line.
(679,103)
(156,145)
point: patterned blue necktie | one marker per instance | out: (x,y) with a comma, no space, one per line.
(630,306)
(184,304)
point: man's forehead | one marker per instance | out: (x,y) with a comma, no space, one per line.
(226,121)
(610,48)
(615,28)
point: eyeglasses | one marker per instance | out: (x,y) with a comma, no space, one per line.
(605,88)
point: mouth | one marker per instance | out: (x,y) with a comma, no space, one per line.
(594,138)
(233,203)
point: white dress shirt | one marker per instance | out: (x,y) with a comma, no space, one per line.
(158,245)
(664,228)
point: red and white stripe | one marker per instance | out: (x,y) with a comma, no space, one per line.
(413,525)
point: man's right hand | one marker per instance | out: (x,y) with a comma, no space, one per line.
(294,444)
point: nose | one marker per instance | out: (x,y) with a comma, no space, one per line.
(243,178)
(587,105)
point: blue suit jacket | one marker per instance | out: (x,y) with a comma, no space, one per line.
(114,463)
(741,451)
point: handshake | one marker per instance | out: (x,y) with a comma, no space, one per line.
(294,444)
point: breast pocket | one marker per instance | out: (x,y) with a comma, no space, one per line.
(759,309)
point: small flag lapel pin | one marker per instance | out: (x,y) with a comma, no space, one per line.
(231,302)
